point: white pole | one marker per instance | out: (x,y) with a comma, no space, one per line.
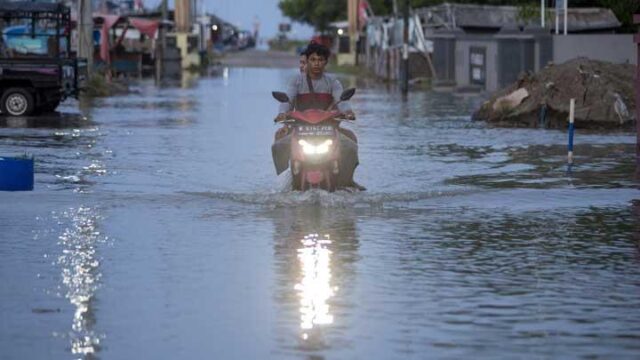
(542,13)
(566,13)
(572,106)
(557,21)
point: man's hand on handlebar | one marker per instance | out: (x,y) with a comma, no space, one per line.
(281,117)
(349,115)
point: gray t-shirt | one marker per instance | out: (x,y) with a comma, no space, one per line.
(326,84)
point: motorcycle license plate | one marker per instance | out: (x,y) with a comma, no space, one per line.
(315,130)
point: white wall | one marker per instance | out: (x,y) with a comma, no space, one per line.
(615,48)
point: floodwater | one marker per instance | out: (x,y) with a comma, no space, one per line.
(158,229)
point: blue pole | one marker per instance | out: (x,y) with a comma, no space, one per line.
(570,147)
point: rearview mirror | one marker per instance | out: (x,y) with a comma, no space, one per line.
(347,94)
(280,96)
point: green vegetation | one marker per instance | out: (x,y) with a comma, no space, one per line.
(286,45)
(98,86)
(359,71)
(624,10)
(320,14)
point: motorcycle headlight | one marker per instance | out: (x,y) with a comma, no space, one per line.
(310,149)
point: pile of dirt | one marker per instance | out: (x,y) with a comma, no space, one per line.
(604,95)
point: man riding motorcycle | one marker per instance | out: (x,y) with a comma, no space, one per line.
(317,90)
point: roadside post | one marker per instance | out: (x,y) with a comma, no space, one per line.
(572,106)
(559,5)
(566,15)
(405,50)
(85,33)
(636,20)
(352,15)
(161,47)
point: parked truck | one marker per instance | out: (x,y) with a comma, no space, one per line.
(37,67)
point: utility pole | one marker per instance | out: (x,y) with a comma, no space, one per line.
(557,12)
(566,15)
(636,20)
(542,14)
(405,50)
(85,33)
(162,39)
(352,12)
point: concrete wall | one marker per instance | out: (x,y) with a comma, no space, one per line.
(444,55)
(615,48)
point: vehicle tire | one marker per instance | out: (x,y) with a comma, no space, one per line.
(17,102)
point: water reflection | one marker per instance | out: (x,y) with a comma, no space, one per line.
(315,288)
(81,275)
(315,252)
(55,120)
(64,146)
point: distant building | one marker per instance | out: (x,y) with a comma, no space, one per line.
(487,47)
(492,19)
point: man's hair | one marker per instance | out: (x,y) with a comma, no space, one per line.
(318,49)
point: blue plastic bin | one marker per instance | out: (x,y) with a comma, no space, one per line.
(16,173)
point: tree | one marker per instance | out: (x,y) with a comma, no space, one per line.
(318,14)
(624,10)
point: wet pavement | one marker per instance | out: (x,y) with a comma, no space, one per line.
(158,228)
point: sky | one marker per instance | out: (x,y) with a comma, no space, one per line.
(242,13)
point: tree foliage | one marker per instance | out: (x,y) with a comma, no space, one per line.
(315,13)
(320,13)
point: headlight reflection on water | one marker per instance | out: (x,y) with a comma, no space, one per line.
(315,287)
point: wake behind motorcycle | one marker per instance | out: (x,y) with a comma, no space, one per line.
(317,151)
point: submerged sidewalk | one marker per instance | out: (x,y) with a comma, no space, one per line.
(261,58)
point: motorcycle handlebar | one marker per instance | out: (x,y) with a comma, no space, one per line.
(343,116)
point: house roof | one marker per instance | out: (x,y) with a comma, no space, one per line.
(450,15)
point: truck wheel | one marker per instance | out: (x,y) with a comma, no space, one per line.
(17,102)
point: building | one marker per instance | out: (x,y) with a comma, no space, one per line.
(481,47)
(488,47)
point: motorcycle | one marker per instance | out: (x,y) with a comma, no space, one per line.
(314,148)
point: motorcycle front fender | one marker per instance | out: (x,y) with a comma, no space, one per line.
(281,153)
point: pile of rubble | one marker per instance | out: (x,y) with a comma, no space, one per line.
(604,95)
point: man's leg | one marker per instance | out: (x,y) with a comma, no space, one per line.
(348,163)
(350,134)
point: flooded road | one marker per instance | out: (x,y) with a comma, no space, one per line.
(159,229)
